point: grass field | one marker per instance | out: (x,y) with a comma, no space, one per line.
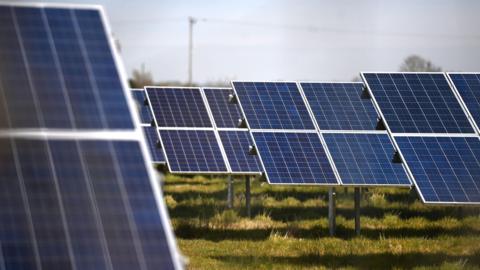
(289,228)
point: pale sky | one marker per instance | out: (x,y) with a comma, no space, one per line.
(293,40)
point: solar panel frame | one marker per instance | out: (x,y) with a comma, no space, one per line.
(300,85)
(210,128)
(276,82)
(412,177)
(394,135)
(135,134)
(385,121)
(313,130)
(179,88)
(348,184)
(461,99)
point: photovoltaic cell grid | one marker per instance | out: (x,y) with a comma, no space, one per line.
(236,145)
(468,86)
(446,169)
(152,139)
(418,103)
(294,158)
(178,107)
(192,151)
(365,159)
(225,114)
(57,71)
(340,106)
(273,105)
(71,203)
(144,111)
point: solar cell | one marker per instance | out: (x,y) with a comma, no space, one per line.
(365,159)
(417,103)
(225,114)
(70,199)
(192,151)
(340,106)
(152,139)
(144,110)
(445,169)
(468,86)
(273,105)
(178,107)
(294,158)
(54,63)
(236,145)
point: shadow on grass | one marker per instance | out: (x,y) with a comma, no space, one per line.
(186,231)
(296,213)
(367,261)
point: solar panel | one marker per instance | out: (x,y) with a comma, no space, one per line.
(192,151)
(417,103)
(365,159)
(294,158)
(56,71)
(144,111)
(70,199)
(468,86)
(153,144)
(340,106)
(445,169)
(178,107)
(236,144)
(225,114)
(273,105)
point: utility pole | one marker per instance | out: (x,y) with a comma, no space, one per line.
(191,22)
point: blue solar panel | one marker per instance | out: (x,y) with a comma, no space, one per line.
(273,105)
(365,159)
(192,151)
(144,110)
(152,139)
(294,158)
(236,145)
(340,106)
(418,103)
(468,85)
(89,199)
(68,200)
(178,107)
(225,114)
(58,71)
(446,169)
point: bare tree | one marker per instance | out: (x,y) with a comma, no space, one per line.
(141,78)
(417,63)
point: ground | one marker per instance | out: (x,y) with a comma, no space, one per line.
(289,228)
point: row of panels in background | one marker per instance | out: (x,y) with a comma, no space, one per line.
(394,129)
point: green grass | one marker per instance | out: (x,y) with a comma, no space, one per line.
(289,229)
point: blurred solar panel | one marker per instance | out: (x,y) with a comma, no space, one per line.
(57,71)
(236,145)
(468,86)
(153,144)
(178,107)
(365,159)
(192,151)
(273,105)
(418,103)
(294,158)
(340,106)
(144,110)
(70,200)
(446,169)
(225,114)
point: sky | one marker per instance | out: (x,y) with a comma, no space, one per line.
(309,40)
